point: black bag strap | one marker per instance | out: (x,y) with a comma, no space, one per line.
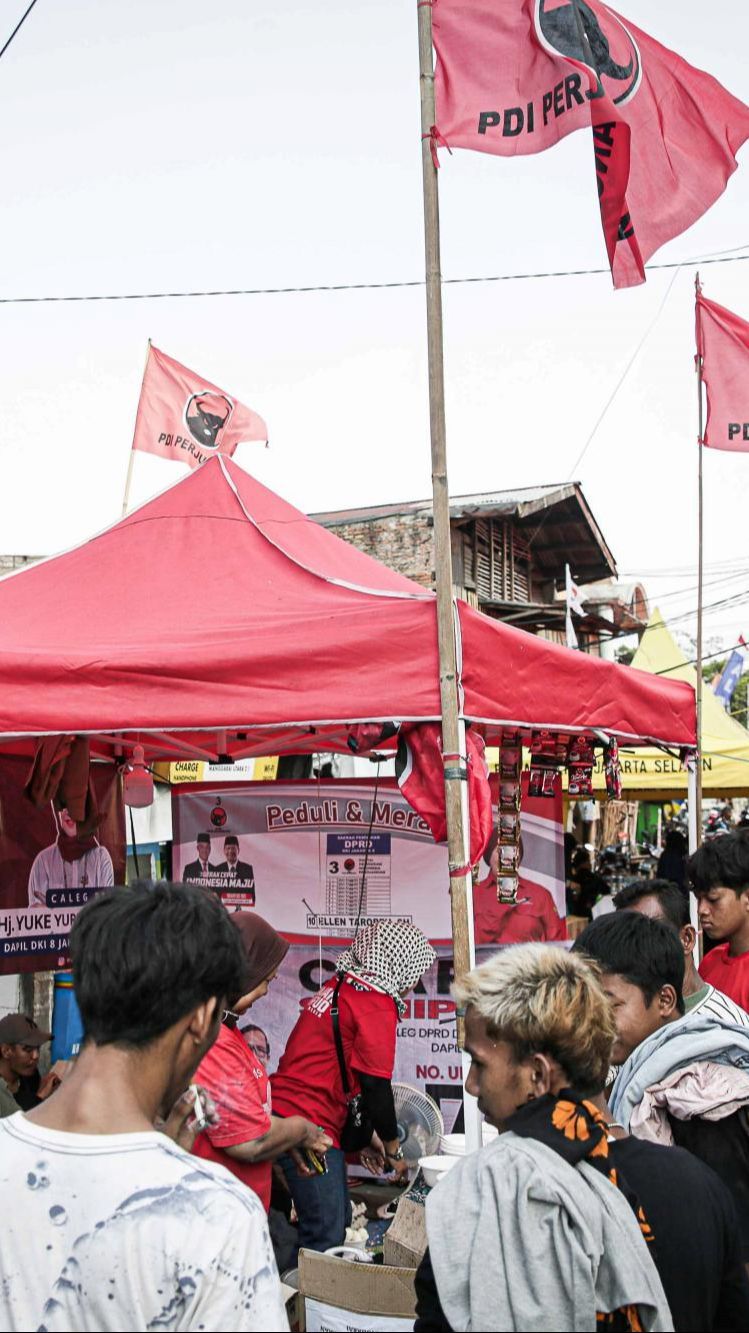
(337,1036)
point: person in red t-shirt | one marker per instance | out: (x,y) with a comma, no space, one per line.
(385,961)
(247,1137)
(719,875)
(533,917)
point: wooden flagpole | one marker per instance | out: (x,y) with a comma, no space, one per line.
(131,460)
(700,531)
(453,728)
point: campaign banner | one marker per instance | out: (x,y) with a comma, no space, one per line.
(46,874)
(321,858)
(316,858)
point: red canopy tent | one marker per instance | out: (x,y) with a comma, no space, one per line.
(217,619)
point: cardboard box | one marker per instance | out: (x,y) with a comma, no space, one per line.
(339,1295)
(406,1238)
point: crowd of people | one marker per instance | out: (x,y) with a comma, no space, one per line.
(616,1194)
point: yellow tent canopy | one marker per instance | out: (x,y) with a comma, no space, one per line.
(651,775)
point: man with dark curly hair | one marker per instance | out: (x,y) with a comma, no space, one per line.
(719,876)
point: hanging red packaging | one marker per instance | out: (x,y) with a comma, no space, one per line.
(580,780)
(613,771)
(581,751)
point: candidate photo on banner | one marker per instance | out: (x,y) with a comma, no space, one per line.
(51,865)
(539,910)
(316,858)
(320,858)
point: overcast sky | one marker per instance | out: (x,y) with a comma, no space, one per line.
(165,146)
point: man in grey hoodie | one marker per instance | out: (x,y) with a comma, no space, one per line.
(684,1078)
(529,1233)
(533,1232)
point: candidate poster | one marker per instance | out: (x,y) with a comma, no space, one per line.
(316,858)
(320,858)
(47,872)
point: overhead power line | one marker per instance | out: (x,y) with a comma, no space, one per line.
(723,652)
(17,28)
(673,593)
(727,258)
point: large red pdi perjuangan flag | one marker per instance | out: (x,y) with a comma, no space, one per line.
(183,416)
(723,345)
(515,77)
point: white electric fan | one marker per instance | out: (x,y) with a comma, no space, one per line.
(420,1123)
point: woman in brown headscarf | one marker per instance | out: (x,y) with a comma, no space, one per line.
(247,1137)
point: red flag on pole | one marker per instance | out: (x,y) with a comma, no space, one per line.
(723,345)
(183,416)
(515,78)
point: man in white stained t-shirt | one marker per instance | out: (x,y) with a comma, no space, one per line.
(70,862)
(107,1224)
(664,900)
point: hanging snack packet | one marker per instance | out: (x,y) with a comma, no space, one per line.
(507,889)
(613,771)
(581,751)
(509,855)
(509,827)
(509,795)
(580,780)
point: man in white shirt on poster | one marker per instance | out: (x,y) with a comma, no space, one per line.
(108,1224)
(70,862)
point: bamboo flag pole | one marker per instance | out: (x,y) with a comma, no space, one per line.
(131,460)
(700,530)
(453,729)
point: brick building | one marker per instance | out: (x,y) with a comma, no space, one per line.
(509,550)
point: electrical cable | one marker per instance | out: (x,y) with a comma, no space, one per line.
(622,377)
(727,258)
(724,603)
(708,583)
(17,28)
(132,833)
(692,661)
(366,849)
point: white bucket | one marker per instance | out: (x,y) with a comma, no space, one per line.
(435,1167)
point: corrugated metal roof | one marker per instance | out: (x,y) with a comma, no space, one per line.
(559,510)
(510,500)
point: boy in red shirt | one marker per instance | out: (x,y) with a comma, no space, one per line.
(719,875)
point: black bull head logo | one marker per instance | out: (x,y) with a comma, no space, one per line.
(574,30)
(205,414)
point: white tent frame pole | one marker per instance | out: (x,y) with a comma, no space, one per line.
(693,838)
(700,553)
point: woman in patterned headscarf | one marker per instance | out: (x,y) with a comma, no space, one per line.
(364,1000)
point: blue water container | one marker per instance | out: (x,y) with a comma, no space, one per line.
(67,1028)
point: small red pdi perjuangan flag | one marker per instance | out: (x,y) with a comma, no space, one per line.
(723,345)
(515,77)
(183,416)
